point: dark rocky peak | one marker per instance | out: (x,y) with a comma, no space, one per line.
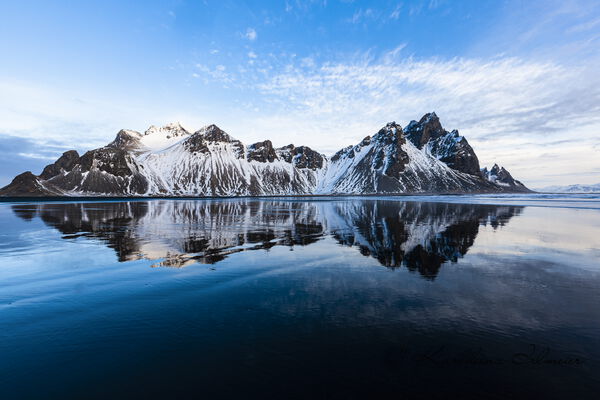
(213,133)
(126,140)
(196,143)
(455,134)
(261,152)
(199,141)
(390,129)
(286,153)
(27,184)
(108,159)
(428,128)
(432,120)
(66,162)
(345,152)
(305,157)
(495,169)
(501,173)
(301,156)
(500,176)
(448,147)
(173,129)
(389,133)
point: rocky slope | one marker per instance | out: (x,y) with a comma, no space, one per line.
(170,161)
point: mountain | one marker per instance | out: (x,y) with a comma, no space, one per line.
(578,188)
(171,161)
(502,177)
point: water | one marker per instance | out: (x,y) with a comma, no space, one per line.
(301,298)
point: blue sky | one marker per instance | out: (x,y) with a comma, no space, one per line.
(518,78)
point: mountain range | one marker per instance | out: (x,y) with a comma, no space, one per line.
(172,161)
(577,188)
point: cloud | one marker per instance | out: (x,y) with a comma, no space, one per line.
(362,15)
(396,12)
(584,26)
(250,34)
(495,103)
(491,88)
(218,73)
(18,155)
(511,109)
(37,156)
(45,114)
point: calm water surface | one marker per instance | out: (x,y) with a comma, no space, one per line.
(310,298)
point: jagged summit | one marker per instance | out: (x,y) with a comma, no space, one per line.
(500,176)
(448,147)
(213,133)
(173,129)
(170,160)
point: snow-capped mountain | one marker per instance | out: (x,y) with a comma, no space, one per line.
(577,188)
(171,161)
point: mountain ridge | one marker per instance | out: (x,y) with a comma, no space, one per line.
(575,188)
(172,161)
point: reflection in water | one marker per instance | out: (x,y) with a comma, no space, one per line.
(317,322)
(419,236)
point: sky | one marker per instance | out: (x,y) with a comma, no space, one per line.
(519,79)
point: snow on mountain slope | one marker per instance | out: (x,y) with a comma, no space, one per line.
(577,188)
(500,176)
(388,163)
(171,161)
(210,163)
(448,147)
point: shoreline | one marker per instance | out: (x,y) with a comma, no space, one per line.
(10,199)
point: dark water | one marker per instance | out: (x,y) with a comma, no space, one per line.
(316,298)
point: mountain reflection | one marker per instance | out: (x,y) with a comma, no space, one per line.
(176,233)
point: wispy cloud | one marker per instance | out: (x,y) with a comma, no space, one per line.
(38,156)
(362,15)
(585,26)
(208,74)
(493,102)
(395,14)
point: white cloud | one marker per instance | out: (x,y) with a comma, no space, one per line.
(218,73)
(396,13)
(362,15)
(250,34)
(496,104)
(585,26)
(37,156)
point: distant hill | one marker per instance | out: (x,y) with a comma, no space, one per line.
(595,188)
